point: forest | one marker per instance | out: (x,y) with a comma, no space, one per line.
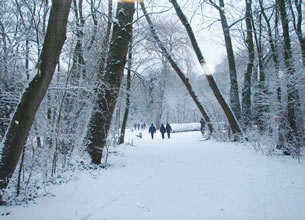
(75,74)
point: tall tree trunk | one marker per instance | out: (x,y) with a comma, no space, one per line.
(105,43)
(273,44)
(246,92)
(227,110)
(78,66)
(95,23)
(234,93)
(161,92)
(109,87)
(128,84)
(297,24)
(275,57)
(293,133)
(261,108)
(175,66)
(23,117)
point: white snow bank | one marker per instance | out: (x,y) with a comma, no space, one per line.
(185,127)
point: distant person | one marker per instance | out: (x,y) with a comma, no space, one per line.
(152,130)
(168,130)
(202,125)
(162,130)
(135,126)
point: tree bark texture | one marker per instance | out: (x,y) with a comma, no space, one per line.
(234,93)
(108,88)
(227,110)
(246,92)
(293,133)
(23,117)
(261,107)
(297,23)
(275,57)
(128,84)
(177,69)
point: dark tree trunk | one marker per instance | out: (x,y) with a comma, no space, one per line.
(293,133)
(78,66)
(234,93)
(273,45)
(109,87)
(128,84)
(228,112)
(261,107)
(246,92)
(24,115)
(297,24)
(174,65)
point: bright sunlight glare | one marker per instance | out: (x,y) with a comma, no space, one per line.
(206,68)
(131,1)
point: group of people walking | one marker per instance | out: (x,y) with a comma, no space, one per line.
(168,129)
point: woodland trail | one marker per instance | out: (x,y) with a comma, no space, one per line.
(183,178)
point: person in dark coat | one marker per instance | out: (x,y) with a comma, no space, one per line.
(162,130)
(202,125)
(168,130)
(152,130)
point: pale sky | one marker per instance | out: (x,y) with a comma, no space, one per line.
(209,39)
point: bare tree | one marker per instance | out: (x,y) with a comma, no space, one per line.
(294,134)
(177,69)
(23,117)
(230,116)
(234,93)
(297,19)
(108,88)
(128,84)
(261,98)
(246,92)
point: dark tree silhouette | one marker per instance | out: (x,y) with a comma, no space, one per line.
(108,88)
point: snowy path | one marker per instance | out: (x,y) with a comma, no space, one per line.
(179,179)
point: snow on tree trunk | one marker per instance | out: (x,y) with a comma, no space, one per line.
(108,88)
(24,114)
(127,105)
(294,134)
(246,92)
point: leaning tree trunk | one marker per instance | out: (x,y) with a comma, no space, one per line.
(107,92)
(23,117)
(175,66)
(227,110)
(128,84)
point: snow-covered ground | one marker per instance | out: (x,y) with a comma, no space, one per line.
(182,178)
